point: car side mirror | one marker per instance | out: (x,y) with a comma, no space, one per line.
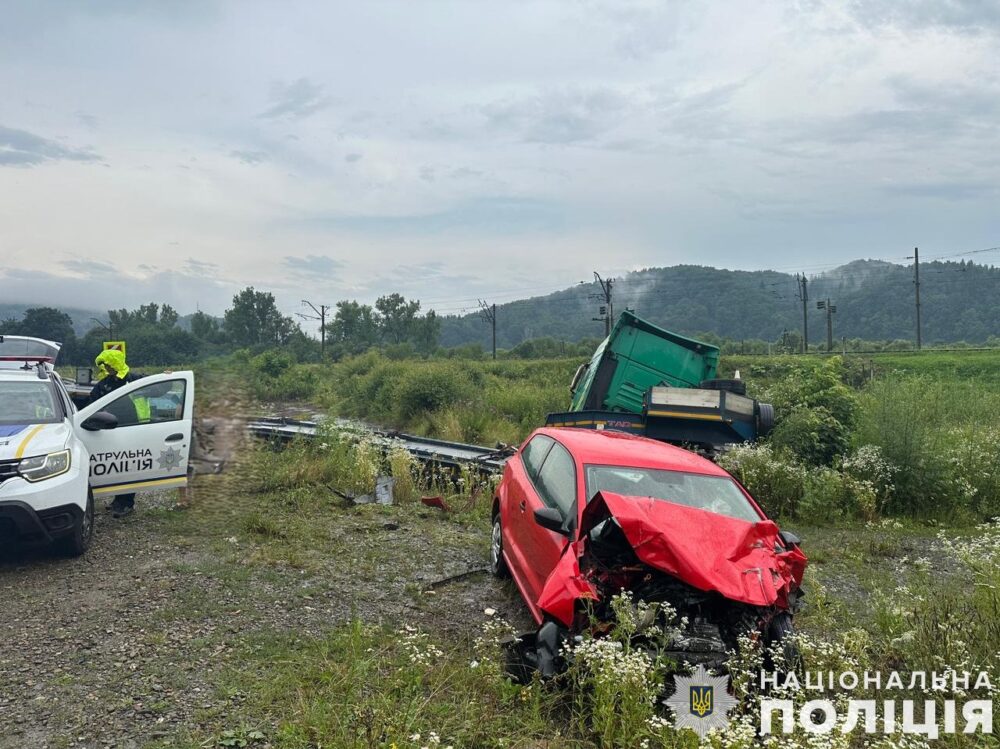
(551,519)
(789,539)
(98,421)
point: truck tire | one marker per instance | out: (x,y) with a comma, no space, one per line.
(765,419)
(739,387)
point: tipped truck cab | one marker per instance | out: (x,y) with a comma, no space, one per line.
(54,459)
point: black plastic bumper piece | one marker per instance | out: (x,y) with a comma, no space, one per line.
(21,523)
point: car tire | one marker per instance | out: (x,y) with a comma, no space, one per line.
(780,634)
(77,543)
(498,565)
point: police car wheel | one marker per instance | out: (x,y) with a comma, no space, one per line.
(78,541)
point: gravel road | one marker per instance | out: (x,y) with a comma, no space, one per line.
(121,647)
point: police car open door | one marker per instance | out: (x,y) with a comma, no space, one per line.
(145,447)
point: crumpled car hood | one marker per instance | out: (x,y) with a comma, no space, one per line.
(708,551)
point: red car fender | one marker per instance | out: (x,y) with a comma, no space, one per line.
(566,585)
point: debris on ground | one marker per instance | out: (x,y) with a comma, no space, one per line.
(437,502)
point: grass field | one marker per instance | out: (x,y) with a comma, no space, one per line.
(307,622)
(924,420)
(414,666)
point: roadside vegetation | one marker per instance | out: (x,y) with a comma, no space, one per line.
(889,436)
(886,595)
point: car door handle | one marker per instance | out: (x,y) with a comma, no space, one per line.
(523,505)
(174,437)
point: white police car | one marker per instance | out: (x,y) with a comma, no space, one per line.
(55,459)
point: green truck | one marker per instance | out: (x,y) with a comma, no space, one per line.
(647,380)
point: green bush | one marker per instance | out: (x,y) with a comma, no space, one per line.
(428,388)
(831,494)
(938,436)
(812,434)
(816,411)
(784,487)
(775,480)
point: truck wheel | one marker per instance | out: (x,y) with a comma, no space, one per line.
(765,419)
(498,566)
(739,387)
(77,543)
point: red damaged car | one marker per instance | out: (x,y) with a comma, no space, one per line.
(581,515)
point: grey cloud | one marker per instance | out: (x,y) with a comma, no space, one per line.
(352,157)
(310,265)
(87,120)
(500,215)
(200,267)
(184,291)
(704,115)
(464,172)
(960,101)
(951,191)
(89,267)
(250,158)
(21,148)
(959,15)
(555,117)
(295,100)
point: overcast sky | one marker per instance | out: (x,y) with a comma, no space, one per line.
(177,151)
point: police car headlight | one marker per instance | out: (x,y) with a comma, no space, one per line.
(43,467)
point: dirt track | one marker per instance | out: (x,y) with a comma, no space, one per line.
(123,647)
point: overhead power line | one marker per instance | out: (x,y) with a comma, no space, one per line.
(321,316)
(489,315)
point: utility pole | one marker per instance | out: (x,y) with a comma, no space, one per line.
(109,327)
(607,310)
(804,297)
(489,315)
(916,286)
(321,316)
(830,310)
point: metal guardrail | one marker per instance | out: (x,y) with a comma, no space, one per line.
(424,449)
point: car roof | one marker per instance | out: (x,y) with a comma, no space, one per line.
(14,375)
(608,447)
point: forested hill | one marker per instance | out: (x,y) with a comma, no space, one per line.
(874,300)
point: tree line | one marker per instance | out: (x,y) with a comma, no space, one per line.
(874,299)
(154,335)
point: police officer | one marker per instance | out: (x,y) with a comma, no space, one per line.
(112,373)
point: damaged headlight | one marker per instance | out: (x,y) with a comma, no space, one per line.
(43,467)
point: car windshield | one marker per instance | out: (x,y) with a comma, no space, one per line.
(27,402)
(717,494)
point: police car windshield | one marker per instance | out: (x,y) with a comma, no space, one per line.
(28,402)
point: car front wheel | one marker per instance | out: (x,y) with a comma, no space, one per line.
(77,543)
(498,566)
